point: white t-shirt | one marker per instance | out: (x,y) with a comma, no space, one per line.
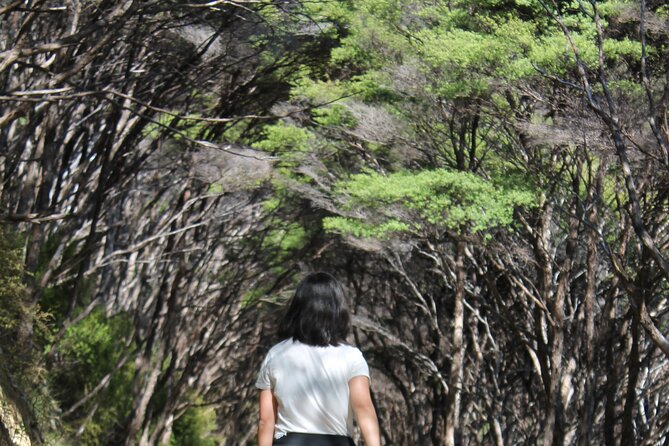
(311,386)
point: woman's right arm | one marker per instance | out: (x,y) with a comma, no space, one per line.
(361,402)
(267,412)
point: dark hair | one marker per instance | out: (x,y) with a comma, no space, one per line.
(317,314)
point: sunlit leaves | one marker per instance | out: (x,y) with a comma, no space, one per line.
(282,137)
(12,288)
(362,229)
(458,201)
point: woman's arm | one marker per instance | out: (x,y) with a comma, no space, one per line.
(267,415)
(361,402)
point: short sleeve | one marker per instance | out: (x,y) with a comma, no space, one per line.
(263,382)
(357,366)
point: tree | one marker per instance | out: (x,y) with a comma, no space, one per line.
(142,220)
(489,88)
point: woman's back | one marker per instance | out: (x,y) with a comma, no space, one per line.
(310,384)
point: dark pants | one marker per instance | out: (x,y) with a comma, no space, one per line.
(298,439)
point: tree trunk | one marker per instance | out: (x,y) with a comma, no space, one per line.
(554,422)
(455,384)
(627,436)
(44,178)
(15,417)
(541,242)
(610,418)
(150,372)
(588,407)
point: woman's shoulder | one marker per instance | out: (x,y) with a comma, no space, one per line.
(355,361)
(349,350)
(280,347)
(274,352)
(291,344)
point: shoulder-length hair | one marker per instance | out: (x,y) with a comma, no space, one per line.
(317,314)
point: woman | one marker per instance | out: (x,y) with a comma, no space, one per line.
(312,383)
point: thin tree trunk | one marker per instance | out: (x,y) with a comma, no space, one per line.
(588,407)
(148,365)
(627,437)
(628,434)
(610,409)
(455,385)
(553,431)
(544,274)
(554,422)
(541,241)
(147,376)
(610,418)
(46,153)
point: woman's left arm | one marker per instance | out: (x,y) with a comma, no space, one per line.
(267,412)
(361,402)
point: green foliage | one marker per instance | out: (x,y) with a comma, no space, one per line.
(464,52)
(371,44)
(470,48)
(554,54)
(286,237)
(335,115)
(470,62)
(374,87)
(318,91)
(459,201)
(272,204)
(251,296)
(92,343)
(325,13)
(361,229)
(195,427)
(89,351)
(281,138)
(21,365)
(178,128)
(215,188)
(12,288)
